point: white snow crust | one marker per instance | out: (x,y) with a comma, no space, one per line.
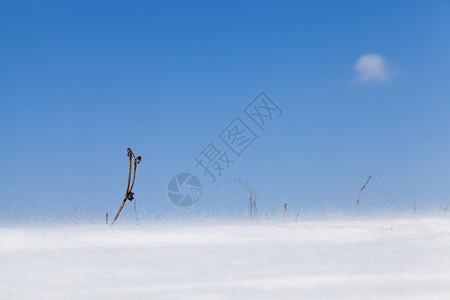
(332,259)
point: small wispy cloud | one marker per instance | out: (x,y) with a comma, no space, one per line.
(372,67)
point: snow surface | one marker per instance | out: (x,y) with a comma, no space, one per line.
(333,259)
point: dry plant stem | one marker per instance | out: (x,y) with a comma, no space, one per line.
(135,211)
(128,193)
(129,154)
(360,191)
(132,185)
(134,175)
(118,213)
(106,218)
(284,211)
(251,199)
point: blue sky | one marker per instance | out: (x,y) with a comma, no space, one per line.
(363,88)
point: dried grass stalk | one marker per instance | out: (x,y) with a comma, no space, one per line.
(129,195)
(252,210)
(360,191)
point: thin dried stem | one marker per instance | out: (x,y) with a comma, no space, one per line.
(137,160)
(120,210)
(251,200)
(129,195)
(130,154)
(74,214)
(284,211)
(135,211)
(360,191)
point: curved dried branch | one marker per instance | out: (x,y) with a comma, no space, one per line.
(129,195)
(360,191)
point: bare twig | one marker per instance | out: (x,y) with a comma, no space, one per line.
(360,191)
(135,211)
(251,199)
(74,214)
(106,218)
(268,213)
(284,211)
(129,195)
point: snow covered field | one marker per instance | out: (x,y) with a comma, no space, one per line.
(340,259)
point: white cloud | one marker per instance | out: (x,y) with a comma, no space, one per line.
(372,67)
